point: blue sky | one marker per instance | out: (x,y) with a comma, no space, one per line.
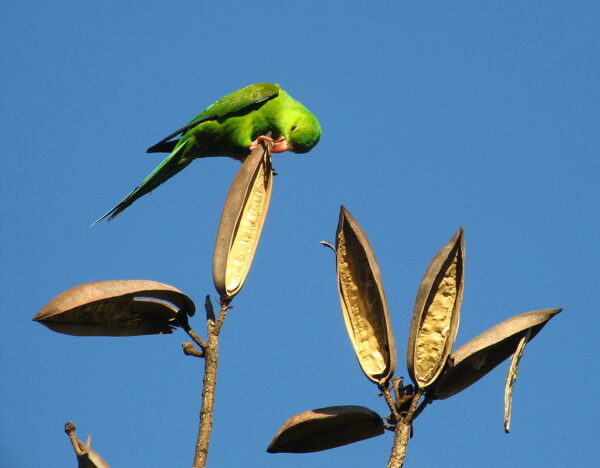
(435,116)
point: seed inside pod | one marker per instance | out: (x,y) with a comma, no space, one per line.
(436,324)
(363,301)
(436,314)
(241,223)
(247,233)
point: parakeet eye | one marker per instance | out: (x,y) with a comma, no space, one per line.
(293,129)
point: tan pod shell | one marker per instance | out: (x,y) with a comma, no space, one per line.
(241,223)
(116,308)
(436,314)
(479,356)
(363,300)
(511,378)
(325,428)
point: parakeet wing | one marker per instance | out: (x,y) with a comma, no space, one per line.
(238,101)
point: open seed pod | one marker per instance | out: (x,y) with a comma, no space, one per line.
(326,428)
(479,356)
(363,301)
(116,308)
(436,314)
(241,222)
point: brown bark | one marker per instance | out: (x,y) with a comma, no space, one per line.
(211,357)
(401,436)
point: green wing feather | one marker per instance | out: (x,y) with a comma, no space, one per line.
(167,169)
(237,102)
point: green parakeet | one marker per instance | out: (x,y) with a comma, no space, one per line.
(231,127)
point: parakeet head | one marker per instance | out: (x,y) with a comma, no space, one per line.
(299,130)
(304,133)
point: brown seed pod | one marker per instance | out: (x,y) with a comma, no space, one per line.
(241,223)
(363,301)
(479,356)
(116,308)
(326,428)
(436,314)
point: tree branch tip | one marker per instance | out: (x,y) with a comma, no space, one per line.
(190,350)
(70,427)
(208,307)
(196,339)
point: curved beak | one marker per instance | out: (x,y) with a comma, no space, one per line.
(280,145)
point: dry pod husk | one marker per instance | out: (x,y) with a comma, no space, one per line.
(363,301)
(241,222)
(511,378)
(479,356)
(86,457)
(116,308)
(436,314)
(326,428)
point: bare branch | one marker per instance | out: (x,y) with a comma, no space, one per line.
(190,350)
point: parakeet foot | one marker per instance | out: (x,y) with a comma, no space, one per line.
(260,139)
(279,146)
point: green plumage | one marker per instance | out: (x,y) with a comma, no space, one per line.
(228,128)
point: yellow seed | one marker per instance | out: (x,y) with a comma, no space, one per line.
(247,233)
(363,311)
(434,330)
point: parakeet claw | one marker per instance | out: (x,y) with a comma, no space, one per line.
(279,146)
(261,138)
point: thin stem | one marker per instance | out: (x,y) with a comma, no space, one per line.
(222,314)
(410,415)
(85,455)
(184,323)
(421,407)
(398,387)
(194,336)
(77,445)
(389,427)
(211,355)
(190,350)
(390,402)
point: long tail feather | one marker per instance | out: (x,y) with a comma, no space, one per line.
(167,169)
(163,147)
